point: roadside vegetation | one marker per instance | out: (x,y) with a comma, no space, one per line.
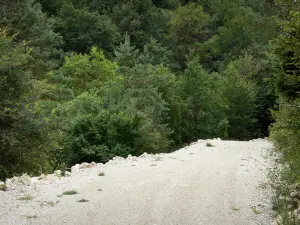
(285,132)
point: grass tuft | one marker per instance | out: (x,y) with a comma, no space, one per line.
(49,203)
(31,217)
(3,187)
(235,208)
(70,192)
(255,210)
(26,198)
(82,200)
(210,145)
(101,174)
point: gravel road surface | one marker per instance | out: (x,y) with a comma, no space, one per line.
(198,185)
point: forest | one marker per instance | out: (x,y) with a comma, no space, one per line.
(87,80)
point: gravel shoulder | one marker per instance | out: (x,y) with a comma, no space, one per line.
(197,185)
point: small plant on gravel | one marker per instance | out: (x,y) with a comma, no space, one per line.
(26,198)
(153,165)
(99,189)
(101,174)
(255,210)
(209,145)
(235,208)
(49,203)
(82,200)
(31,217)
(70,192)
(3,187)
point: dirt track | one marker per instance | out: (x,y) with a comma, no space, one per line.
(197,185)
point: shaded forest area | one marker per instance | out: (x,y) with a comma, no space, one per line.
(87,80)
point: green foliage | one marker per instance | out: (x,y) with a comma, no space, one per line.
(288,49)
(142,91)
(285,133)
(95,134)
(188,27)
(84,72)
(81,29)
(153,53)
(71,92)
(24,143)
(133,17)
(25,20)
(240,98)
(203,110)
(236,27)
(125,54)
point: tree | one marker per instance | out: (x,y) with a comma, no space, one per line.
(188,27)
(287,48)
(145,92)
(133,17)
(236,27)
(202,111)
(80,73)
(26,22)
(240,98)
(285,132)
(125,54)
(153,53)
(95,133)
(25,143)
(81,29)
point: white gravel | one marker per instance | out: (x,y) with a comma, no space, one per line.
(196,185)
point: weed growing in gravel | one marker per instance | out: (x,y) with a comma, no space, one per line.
(283,208)
(3,187)
(70,192)
(82,200)
(26,198)
(235,208)
(255,210)
(31,217)
(100,189)
(101,174)
(153,165)
(282,203)
(210,145)
(49,203)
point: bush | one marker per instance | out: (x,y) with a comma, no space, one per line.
(24,135)
(285,134)
(93,133)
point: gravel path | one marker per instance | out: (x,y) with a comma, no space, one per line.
(196,185)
